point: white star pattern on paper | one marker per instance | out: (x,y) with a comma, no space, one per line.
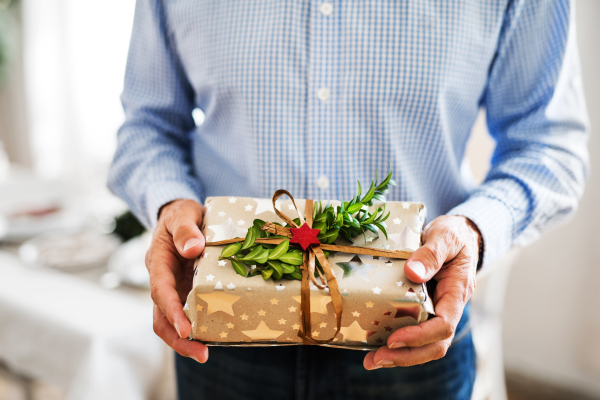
(207,238)
(280,288)
(222,263)
(400,283)
(231,286)
(232,200)
(263,205)
(227,230)
(205,255)
(385,246)
(221,213)
(405,206)
(241,222)
(369,239)
(291,206)
(219,286)
(249,207)
(210,277)
(209,208)
(397,221)
(376,290)
(406,239)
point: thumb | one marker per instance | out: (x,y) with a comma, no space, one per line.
(183,223)
(427,260)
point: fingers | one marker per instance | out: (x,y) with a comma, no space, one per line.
(430,331)
(162,263)
(444,238)
(405,357)
(184,347)
(182,219)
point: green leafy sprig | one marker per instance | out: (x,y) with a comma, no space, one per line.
(350,219)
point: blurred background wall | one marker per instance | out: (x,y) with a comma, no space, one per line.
(59,110)
(552,318)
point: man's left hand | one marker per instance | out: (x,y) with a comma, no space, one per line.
(449,255)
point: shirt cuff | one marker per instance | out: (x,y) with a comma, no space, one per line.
(161,193)
(494,221)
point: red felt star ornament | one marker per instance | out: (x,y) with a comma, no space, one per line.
(304,236)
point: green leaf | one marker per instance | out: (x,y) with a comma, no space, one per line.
(239,267)
(266,273)
(252,254)
(370,193)
(387,178)
(384,218)
(382,229)
(355,207)
(280,250)
(296,275)
(258,233)
(346,235)
(379,197)
(277,269)
(320,218)
(321,225)
(250,238)
(231,250)
(372,228)
(292,258)
(329,236)
(287,268)
(262,257)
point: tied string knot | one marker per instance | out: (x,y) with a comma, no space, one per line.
(313,250)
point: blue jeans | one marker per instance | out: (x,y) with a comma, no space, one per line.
(323,373)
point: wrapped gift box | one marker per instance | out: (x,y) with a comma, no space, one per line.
(231,310)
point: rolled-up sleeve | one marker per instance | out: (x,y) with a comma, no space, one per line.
(536,113)
(152,164)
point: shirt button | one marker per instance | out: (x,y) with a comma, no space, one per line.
(323,182)
(323,94)
(326,8)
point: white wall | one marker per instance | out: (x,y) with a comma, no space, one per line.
(552,311)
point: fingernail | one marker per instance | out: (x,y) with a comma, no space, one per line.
(375,367)
(190,243)
(418,268)
(397,345)
(385,362)
(195,359)
(178,331)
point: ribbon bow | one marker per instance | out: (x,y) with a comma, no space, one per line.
(312,249)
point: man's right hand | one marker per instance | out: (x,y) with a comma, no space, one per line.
(176,242)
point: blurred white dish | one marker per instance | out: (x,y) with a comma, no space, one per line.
(69,251)
(31,206)
(129,261)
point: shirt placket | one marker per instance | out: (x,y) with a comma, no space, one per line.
(323,93)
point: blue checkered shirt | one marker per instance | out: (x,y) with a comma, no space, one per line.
(311,96)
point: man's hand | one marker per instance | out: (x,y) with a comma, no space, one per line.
(176,242)
(449,255)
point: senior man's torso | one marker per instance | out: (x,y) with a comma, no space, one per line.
(311,96)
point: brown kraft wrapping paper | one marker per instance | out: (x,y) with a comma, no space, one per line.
(227,309)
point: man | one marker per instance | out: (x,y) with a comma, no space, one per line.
(312,95)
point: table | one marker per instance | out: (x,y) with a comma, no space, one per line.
(94,342)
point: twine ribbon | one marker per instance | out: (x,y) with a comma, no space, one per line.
(308,264)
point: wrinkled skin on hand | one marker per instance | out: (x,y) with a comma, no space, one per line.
(449,255)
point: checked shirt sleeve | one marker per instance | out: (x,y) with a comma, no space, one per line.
(536,113)
(152,164)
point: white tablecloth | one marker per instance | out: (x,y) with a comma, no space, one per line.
(96,343)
